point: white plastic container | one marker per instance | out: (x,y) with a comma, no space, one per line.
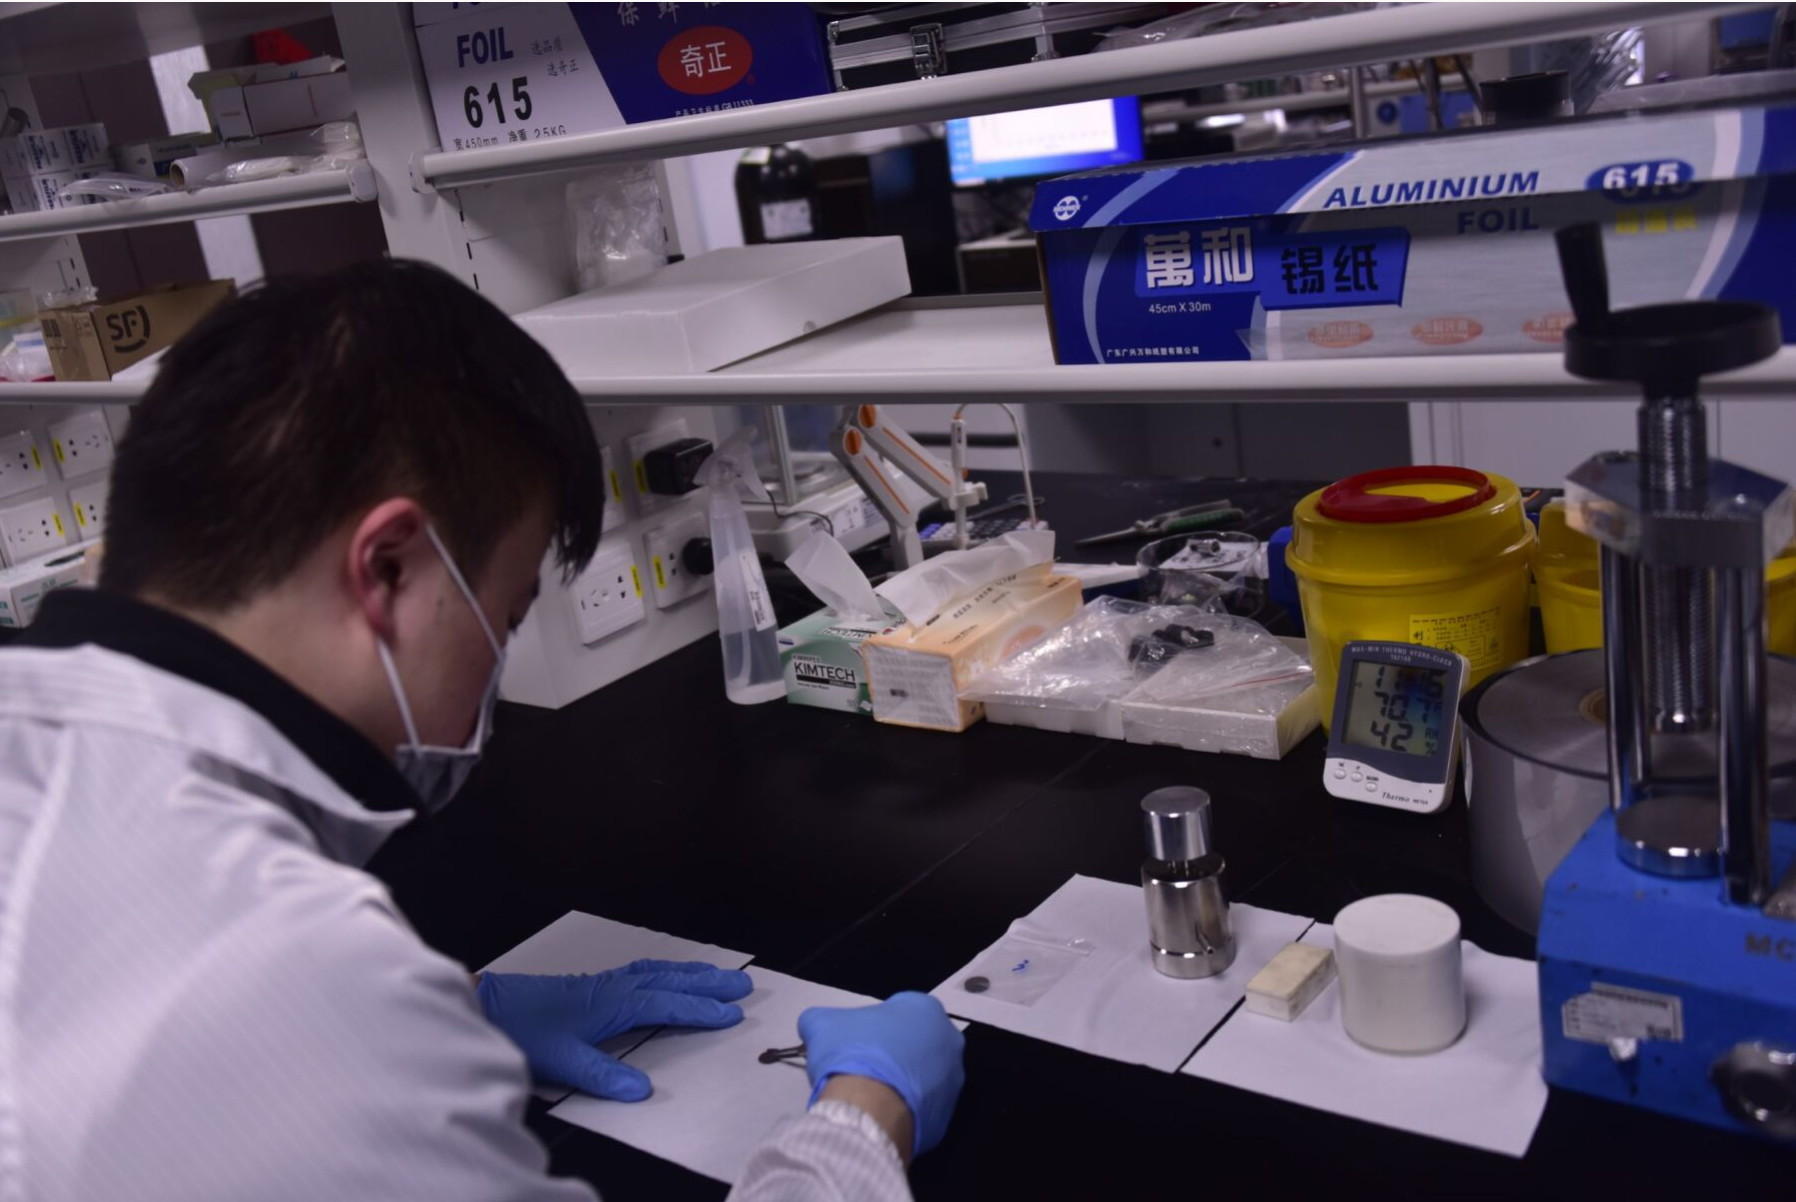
(1402,982)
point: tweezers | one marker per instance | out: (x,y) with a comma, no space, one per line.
(776,1055)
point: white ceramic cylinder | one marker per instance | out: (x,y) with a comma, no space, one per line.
(1402,984)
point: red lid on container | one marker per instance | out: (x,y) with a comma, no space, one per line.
(1352,499)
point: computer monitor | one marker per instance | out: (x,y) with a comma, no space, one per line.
(1043,142)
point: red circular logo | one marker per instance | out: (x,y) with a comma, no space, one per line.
(1547,328)
(706,60)
(1446,331)
(1339,334)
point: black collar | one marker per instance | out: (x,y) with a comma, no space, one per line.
(165,640)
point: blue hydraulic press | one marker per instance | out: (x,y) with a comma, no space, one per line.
(1668,935)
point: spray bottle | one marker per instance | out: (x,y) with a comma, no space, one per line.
(745,622)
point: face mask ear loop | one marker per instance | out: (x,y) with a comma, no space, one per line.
(462,584)
(405,711)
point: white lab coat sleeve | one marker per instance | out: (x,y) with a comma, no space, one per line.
(810,1159)
(318,1050)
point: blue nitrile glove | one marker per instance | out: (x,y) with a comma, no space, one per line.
(556,1021)
(906,1043)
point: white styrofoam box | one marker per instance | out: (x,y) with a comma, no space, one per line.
(23,588)
(1105,722)
(1263,721)
(702,313)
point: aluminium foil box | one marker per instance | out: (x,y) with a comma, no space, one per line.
(1420,246)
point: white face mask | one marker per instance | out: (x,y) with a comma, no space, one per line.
(438,773)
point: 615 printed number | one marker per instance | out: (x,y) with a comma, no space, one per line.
(520,100)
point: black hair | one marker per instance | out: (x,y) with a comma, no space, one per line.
(289,410)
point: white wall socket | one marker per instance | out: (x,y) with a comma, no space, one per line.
(639,446)
(614,492)
(89,505)
(31,529)
(21,467)
(669,579)
(81,443)
(607,596)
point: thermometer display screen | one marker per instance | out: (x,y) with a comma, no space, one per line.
(1397,708)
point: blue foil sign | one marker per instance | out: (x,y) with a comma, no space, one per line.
(1288,271)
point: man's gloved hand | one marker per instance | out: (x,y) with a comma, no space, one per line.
(556,1021)
(906,1043)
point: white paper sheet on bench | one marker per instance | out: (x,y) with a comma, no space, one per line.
(581,943)
(1485,1090)
(714,1102)
(1115,1003)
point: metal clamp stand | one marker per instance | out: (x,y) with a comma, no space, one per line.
(864,440)
(1685,540)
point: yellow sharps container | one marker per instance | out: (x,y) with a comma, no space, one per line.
(1571,595)
(1431,555)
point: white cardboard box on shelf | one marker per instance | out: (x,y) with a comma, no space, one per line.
(151,159)
(35,193)
(67,148)
(702,313)
(258,109)
(23,589)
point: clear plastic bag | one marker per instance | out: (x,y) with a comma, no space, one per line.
(615,225)
(339,144)
(1021,967)
(67,298)
(1245,655)
(112,185)
(1209,570)
(24,357)
(1111,646)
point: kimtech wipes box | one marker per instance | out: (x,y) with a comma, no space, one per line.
(821,658)
(1437,245)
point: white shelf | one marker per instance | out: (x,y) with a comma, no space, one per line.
(1408,31)
(356,183)
(78,392)
(924,353)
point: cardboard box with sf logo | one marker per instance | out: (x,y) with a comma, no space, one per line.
(96,341)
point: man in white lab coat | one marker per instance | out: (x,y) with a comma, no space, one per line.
(329,510)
